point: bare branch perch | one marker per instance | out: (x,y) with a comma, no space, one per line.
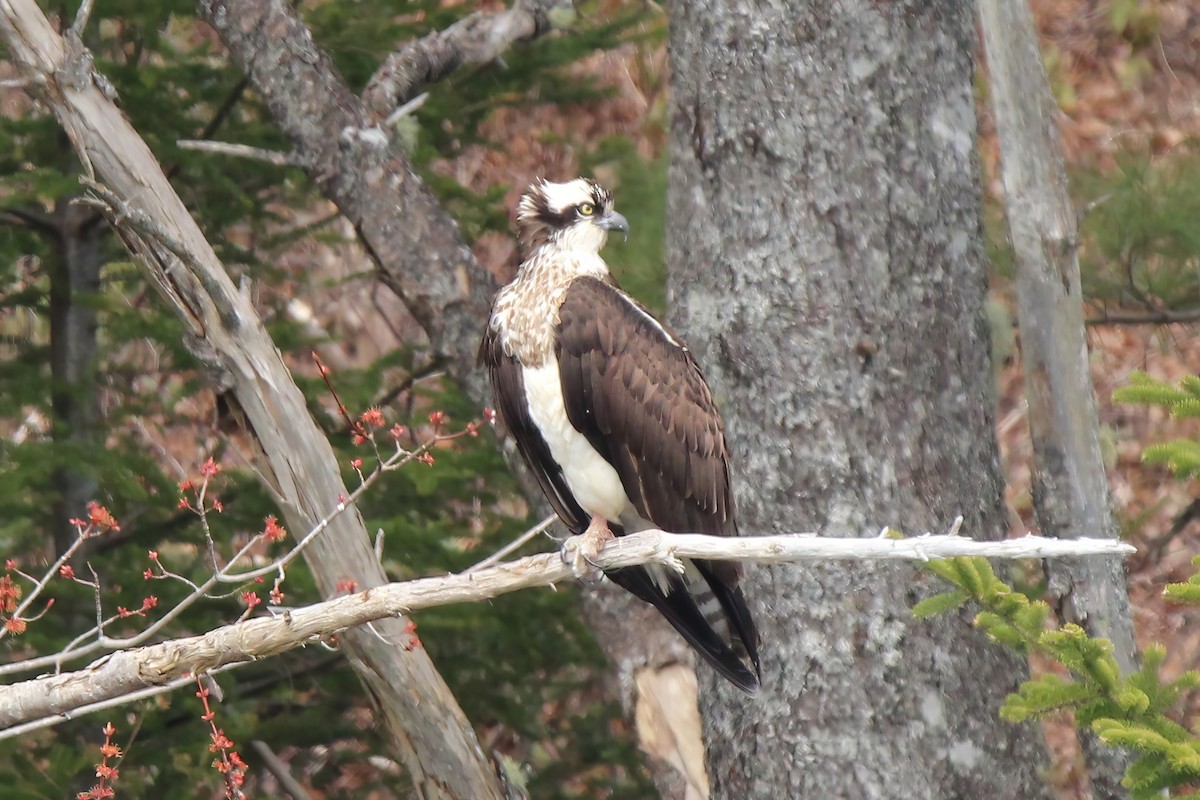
(132,671)
(476,39)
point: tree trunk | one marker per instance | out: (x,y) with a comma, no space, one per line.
(1070,489)
(74,270)
(825,260)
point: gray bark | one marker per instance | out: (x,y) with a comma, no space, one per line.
(427,727)
(1070,490)
(825,262)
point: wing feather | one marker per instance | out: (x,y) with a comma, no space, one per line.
(639,398)
(641,401)
(508,388)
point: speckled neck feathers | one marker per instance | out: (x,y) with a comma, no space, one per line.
(526,310)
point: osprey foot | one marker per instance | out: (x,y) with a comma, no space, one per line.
(581,551)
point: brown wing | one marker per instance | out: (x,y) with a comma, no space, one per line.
(637,395)
(508,388)
(635,392)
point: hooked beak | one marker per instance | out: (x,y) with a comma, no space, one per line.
(612,221)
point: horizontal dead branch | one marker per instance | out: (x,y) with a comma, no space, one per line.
(1159,316)
(131,671)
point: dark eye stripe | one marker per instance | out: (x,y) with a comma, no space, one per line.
(552,218)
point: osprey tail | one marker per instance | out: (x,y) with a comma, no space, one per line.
(709,611)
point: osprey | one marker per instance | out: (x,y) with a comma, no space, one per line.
(613,417)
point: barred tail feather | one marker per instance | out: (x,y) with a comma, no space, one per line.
(710,614)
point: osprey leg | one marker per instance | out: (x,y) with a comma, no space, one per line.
(581,551)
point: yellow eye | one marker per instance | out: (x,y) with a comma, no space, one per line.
(587,209)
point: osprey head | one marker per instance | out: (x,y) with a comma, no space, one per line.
(576,215)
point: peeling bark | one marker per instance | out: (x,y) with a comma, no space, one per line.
(1070,489)
(825,262)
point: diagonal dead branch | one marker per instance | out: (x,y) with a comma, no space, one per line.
(478,38)
(273,157)
(1151,316)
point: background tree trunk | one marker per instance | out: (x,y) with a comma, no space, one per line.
(1070,489)
(74,272)
(825,260)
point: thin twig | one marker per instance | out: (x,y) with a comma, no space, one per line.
(515,544)
(224,575)
(82,17)
(279,768)
(408,108)
(50,574)
(273,157)
(1156,317)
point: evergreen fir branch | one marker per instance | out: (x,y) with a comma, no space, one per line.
(1148,776)
(998,630)
(1126,711)
(1132,699)
(1185,757)
(1139,737)
(1149,394)
(1181,456)
(1039,697)
(1188,407)
(939,603)
(1188,592)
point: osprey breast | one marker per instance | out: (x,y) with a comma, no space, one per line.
(594,483)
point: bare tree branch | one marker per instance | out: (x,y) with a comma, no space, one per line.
(36,220)
(111,702)
(279,768)
(1165,316)
(420,253)
(273,157)
(478,38)
(134,670)
(430,732)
